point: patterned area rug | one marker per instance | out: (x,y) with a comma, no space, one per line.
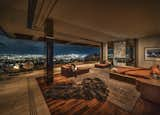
(122,94)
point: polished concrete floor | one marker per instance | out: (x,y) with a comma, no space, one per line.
(21,96)
(14,97)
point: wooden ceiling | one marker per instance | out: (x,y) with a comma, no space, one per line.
(83,21)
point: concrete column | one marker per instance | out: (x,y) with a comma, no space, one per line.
(48,29)
(103,52)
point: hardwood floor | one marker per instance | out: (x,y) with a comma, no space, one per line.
(92,107)
(78,106)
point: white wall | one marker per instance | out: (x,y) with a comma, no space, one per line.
(146,42)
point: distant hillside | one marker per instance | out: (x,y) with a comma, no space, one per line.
(16,46)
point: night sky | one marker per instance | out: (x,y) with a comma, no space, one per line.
(17,46)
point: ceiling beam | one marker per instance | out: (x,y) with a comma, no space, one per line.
(31,12)
(41,12)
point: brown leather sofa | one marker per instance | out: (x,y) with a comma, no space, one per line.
(67,71)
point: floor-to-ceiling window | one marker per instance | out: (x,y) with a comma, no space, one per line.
(18,55)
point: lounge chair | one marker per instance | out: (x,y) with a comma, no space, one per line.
(66,70)
(103,65)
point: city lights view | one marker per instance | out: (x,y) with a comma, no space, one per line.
(29,55)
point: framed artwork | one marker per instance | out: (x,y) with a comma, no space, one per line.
(152,54)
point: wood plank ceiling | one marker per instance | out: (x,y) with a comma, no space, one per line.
(83,21)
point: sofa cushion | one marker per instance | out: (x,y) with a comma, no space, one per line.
(155,70)
(122,70)
(143,73)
